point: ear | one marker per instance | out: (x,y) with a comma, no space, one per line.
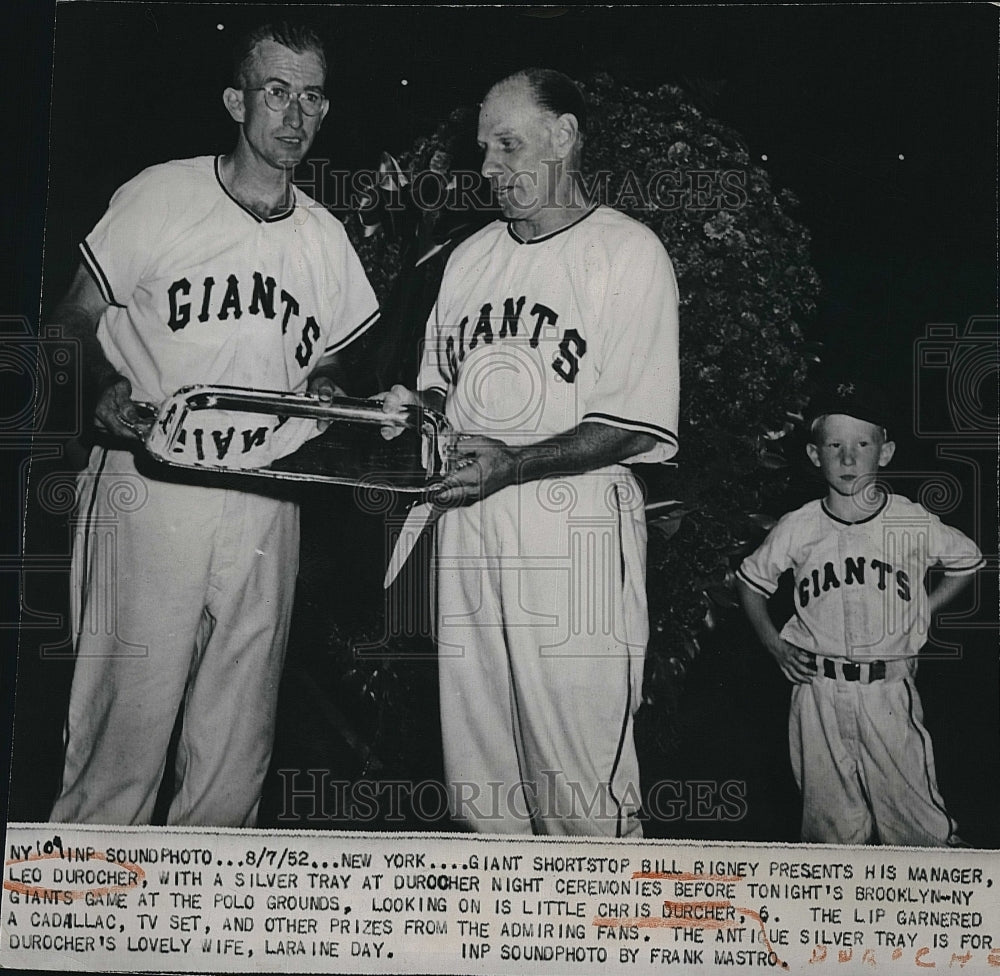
(322,114)
(813,451)
(232,98)
(565,132)
(885,453)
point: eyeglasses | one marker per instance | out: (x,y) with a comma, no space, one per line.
(277,97)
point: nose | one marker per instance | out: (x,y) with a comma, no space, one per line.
(847,455)
(293,113)
(491,167)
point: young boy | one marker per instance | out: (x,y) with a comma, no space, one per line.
(859,751)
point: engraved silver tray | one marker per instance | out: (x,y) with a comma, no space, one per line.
(270,434)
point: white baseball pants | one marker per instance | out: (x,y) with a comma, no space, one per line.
(182,599)
(542,631)
(864,763)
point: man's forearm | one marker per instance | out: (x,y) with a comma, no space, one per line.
(77,323)
(585,448)
(491,465)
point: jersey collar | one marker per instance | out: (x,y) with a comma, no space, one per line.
(867,518)
(547,237)
(284,215)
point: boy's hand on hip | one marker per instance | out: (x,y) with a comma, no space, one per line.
(797,665)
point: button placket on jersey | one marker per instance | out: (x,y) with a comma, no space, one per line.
(851,597)
(254,349)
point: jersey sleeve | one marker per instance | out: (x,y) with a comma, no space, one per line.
(118,251)
(638,385)
(433,372)
(355,307)
(954,550)
(761,569)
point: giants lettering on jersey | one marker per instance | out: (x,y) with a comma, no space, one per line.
(566,362)
(229,300)
(816,582)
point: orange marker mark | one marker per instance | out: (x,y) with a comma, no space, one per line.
(41,891)
(681,876)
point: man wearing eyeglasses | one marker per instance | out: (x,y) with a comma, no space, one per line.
(212,270)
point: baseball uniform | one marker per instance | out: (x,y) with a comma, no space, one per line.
(542,622)
(183,593)
(860,753)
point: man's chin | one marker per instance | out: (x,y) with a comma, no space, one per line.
(286,165)
(287,157)
(508,212)
(513,210)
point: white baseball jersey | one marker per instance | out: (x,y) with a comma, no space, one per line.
(203,291)
(859,587)
(542,622)
(530,339)
(183,593)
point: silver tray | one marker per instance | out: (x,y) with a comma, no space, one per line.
(269,434)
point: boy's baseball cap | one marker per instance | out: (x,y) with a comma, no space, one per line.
(852,396)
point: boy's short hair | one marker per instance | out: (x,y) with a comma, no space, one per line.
(851,397)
